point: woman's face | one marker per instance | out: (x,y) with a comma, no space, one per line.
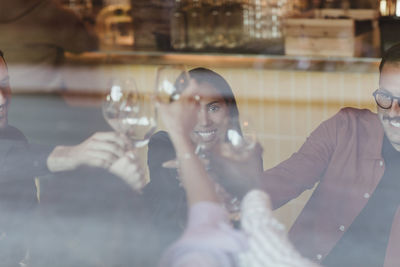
(212,118)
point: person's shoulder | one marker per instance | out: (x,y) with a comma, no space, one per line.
(357,116)
(160,137)
(160,149)
(363,122)
(12,133)
(349,111)
(349,119)
(352,114)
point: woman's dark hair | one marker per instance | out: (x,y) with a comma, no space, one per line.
(202,75)
(392,55)
(2,56)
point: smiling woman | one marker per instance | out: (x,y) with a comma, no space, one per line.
(216,111)
(211,116)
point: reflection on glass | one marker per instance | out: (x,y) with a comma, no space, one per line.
(170,82)
(240,142)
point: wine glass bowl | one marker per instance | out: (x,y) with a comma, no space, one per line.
(130,111)
(239,142)
(170,82)
(138,118)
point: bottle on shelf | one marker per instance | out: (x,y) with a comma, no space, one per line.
(195,25)
(178,29)
(233,17)
(215,32)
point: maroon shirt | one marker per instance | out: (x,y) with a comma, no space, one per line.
(344,155)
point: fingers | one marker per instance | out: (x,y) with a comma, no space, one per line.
(101,149)
(190,89)
(128,169)
(108,158)
(171,164)
(106,148)
(188,95)
(137,181)
(179,117)
(225,152)
(110,137)
(97,162)
(186,100)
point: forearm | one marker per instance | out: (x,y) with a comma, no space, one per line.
(58,160)
(307,166)
(100,150)
(195,179)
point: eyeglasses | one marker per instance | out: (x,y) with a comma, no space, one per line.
(385,100)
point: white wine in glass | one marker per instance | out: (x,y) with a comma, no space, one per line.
(138,118)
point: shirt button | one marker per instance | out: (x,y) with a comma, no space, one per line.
(319,256)
(366,195)
(381,163)
(341,228)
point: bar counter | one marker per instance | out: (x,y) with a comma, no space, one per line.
(328,64)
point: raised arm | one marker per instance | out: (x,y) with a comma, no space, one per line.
(179,118)
(208,240)
(304,168)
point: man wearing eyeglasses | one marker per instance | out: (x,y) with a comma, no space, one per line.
(353,216)
(387,98)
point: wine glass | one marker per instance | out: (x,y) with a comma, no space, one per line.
(130,111)
(170,82)
(238,144)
